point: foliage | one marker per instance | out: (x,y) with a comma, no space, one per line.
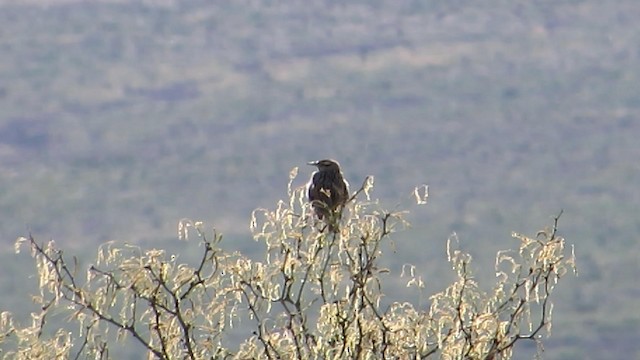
(315,294)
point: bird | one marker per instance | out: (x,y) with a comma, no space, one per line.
(327,190)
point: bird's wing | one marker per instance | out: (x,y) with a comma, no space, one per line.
(346,186)
(341,192)
(312,193)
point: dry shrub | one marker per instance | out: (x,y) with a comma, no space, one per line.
(316,294)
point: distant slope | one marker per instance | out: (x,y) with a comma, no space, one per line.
(119,118)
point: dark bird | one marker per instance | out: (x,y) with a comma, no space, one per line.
(327,189)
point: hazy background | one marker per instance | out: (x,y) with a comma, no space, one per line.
(118,118)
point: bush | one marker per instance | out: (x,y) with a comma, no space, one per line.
(316,294)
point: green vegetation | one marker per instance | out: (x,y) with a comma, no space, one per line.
(119,119)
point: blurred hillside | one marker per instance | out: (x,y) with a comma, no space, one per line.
(119,118)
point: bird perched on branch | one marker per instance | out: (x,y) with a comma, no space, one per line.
(327,190)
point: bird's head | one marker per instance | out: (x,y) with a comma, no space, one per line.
(326,164)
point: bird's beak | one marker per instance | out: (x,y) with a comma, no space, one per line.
(314,163)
